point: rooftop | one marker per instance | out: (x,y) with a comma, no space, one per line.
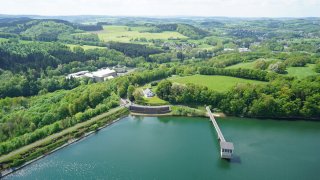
(103,72)
(226,145)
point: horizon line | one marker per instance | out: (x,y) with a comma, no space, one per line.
(163,16)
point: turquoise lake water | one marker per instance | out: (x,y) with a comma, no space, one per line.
(186,148)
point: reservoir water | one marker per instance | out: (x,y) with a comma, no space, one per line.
(186,148)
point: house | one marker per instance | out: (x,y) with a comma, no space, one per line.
(148,93)
(100,75)
(103,74)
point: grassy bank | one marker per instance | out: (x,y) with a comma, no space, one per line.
(48,144)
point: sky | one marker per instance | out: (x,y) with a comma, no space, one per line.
(229,8)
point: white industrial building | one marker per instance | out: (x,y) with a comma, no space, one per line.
(100,75)
(104,74)
(79,74)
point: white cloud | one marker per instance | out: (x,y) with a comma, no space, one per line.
(239,8)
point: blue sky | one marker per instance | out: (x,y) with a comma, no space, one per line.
(231,8)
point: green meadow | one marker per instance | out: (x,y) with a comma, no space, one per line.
(125,34)
(302,72)
(217,83)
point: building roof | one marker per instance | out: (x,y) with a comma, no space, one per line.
(90,75)
(103,72)
(226,145)
(78,74)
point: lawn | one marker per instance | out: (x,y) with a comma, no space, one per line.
(217,83)
(301,72)
(125,33)
(155,101)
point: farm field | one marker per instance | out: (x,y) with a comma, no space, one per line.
(217,83)
(125,34)
(85,47)
(301,72)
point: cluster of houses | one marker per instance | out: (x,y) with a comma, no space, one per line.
(99,75)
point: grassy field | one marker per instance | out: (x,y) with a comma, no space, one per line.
(247,65)
(301,72)
(217,83)
(85,47)
(125,33)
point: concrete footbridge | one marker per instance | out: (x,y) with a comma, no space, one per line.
(226,148)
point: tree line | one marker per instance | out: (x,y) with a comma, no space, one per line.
(185,29)
(241,73)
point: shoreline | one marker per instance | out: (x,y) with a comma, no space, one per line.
(9,171)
